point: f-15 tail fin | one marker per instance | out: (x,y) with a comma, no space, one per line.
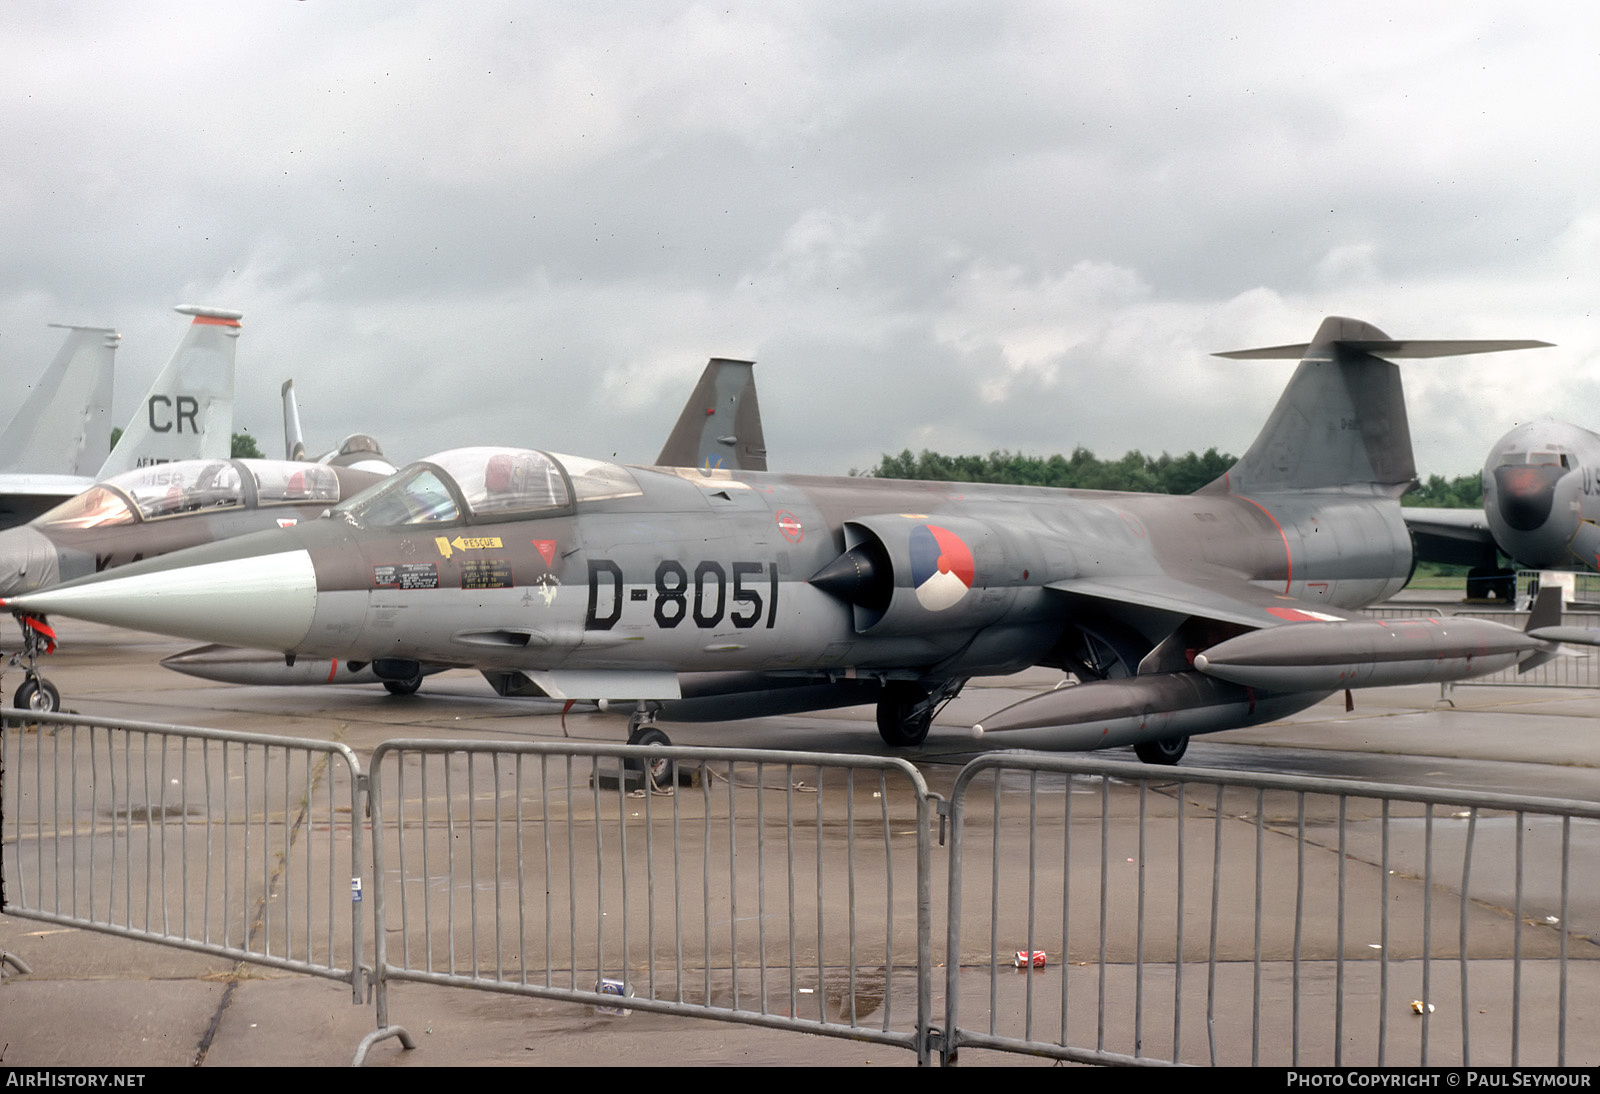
(188,413)
(1341,422)
(63,427)
(720,427)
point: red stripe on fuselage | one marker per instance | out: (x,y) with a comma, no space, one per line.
(332,669)
(1288,562)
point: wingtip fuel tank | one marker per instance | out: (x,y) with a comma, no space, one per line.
(1331,656)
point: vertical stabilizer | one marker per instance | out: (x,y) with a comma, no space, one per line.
(63,427)
(188,413)
(720,427)
(294,441)
(1341,422)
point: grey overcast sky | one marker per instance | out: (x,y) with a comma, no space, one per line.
(949,225)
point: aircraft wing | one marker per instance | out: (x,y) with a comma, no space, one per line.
(1457,536)
(1222,598)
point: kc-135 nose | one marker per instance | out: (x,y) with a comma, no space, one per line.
(265,601)
(1525,494)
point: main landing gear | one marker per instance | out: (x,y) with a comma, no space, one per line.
(906,709)
(1164,752)
(658,771)
(36,693)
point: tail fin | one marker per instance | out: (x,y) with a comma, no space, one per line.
(188,412)
(294,441)
(63,427)
(720,427)
(1341,422)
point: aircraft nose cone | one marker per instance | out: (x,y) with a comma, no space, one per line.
(27,561)
(260,601)
(1525,494)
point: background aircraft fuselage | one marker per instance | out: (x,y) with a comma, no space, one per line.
(1541,496)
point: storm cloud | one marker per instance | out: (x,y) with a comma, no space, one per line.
(961,226)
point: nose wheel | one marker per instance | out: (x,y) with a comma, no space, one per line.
(657,770)
(36,693)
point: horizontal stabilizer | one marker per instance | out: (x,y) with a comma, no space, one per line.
(1341,422)
(1391,347)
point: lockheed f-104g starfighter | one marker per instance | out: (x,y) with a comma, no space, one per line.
(699,595)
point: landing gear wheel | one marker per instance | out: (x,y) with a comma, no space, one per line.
(1164,753)
(658,770)
(37,693)
(904,714)
(408,686)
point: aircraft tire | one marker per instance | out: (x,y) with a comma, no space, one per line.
(38,694)
(1164,753)
(903,715)
(656,769)
(408,686)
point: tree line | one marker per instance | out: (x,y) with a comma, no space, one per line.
(1163,474)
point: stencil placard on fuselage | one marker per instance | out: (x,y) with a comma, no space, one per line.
(485,573)
(406,575)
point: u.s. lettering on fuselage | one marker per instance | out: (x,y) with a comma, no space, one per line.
(744,594)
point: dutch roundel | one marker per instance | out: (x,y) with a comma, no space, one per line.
(942,569)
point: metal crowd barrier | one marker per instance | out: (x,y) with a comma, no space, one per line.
(1348,924)
(237,845)
(781,889)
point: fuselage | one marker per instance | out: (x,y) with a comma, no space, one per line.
(686,571)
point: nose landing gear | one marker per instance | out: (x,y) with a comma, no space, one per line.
(36,693)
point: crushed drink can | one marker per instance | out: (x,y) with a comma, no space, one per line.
(1024,959)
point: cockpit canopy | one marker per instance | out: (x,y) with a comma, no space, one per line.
(484,485)
(1543,457)
(194,486)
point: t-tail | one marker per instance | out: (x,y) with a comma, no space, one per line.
(188,412)
(63,427)
(1341,423)
(720,427)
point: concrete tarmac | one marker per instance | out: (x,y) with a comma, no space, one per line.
(97,1000)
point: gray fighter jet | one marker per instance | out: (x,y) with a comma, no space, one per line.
(1540,508)
(151,511)
(696,595)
